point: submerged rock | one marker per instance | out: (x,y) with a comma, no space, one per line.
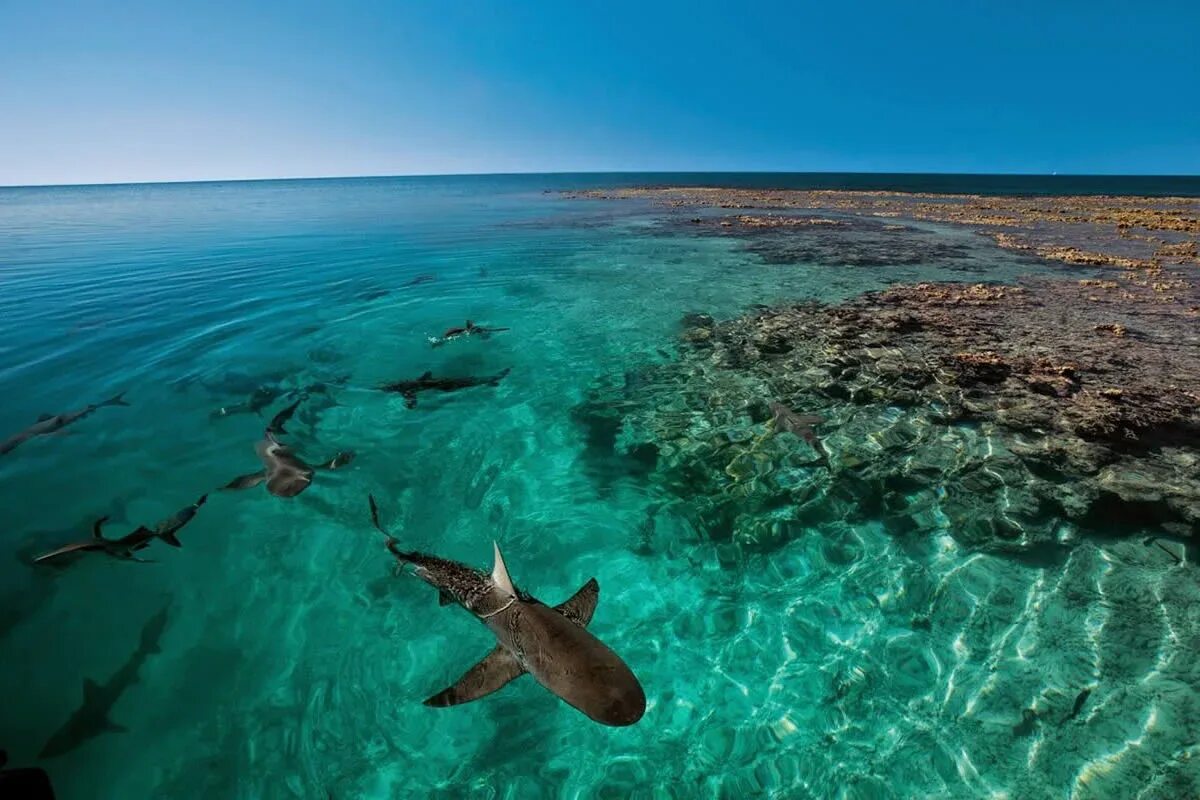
(996,414)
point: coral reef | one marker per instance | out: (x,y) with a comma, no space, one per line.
(1014,418)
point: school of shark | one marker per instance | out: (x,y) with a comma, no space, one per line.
(551,643)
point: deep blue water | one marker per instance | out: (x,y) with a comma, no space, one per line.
(293,661)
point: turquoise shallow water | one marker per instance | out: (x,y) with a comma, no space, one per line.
(293,661)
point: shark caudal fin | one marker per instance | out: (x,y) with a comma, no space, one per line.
(97,533)
(500,572)
(495,671)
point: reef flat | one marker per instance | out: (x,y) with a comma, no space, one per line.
(1134,232)
(1016,417)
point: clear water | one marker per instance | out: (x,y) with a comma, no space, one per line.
(294,661)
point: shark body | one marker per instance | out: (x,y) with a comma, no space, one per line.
(551,643)
(409,389)
(53,423)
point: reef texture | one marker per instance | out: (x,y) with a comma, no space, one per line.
(1015,418)
(1128,232)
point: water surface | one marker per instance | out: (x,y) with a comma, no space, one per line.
(843,663)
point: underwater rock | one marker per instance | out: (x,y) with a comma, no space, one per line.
(995,414)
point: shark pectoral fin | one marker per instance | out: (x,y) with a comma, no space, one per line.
(445,599)
(247,481)
(480,680)
(581,605)
(500,573)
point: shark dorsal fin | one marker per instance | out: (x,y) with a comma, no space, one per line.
(426,376)
(91,690)
(500,573)
(470,324)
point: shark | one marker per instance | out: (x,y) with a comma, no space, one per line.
(125,547)
(551,643)
(409,389)
(93,717)
(417,281)
(785,420)
(469,329)
(53,423)
(285,473)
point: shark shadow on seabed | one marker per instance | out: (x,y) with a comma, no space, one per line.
(93,717)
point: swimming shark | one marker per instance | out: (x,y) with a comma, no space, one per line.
(130,543)
(92,717)
(285,473)
(409,389)
(266,394)
(550,643)
(469,329)
(259,399)
(52,423)
(417,281)
(784,420)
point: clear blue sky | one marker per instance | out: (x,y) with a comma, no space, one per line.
(167,90)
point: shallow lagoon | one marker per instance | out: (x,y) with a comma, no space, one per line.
(294,662)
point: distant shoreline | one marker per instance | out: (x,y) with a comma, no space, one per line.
(930,183)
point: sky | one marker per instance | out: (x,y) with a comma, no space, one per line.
(101,92)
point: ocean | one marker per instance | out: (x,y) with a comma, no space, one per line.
(293,660)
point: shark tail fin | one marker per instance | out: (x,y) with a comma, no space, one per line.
(500,575)
(117,399)
(97,533)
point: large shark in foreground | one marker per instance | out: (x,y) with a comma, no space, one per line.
(92,717)
(550,643)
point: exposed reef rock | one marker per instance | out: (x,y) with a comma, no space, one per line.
(1013,418)
(1124,232)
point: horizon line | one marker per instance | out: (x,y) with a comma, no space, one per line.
(589,172)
